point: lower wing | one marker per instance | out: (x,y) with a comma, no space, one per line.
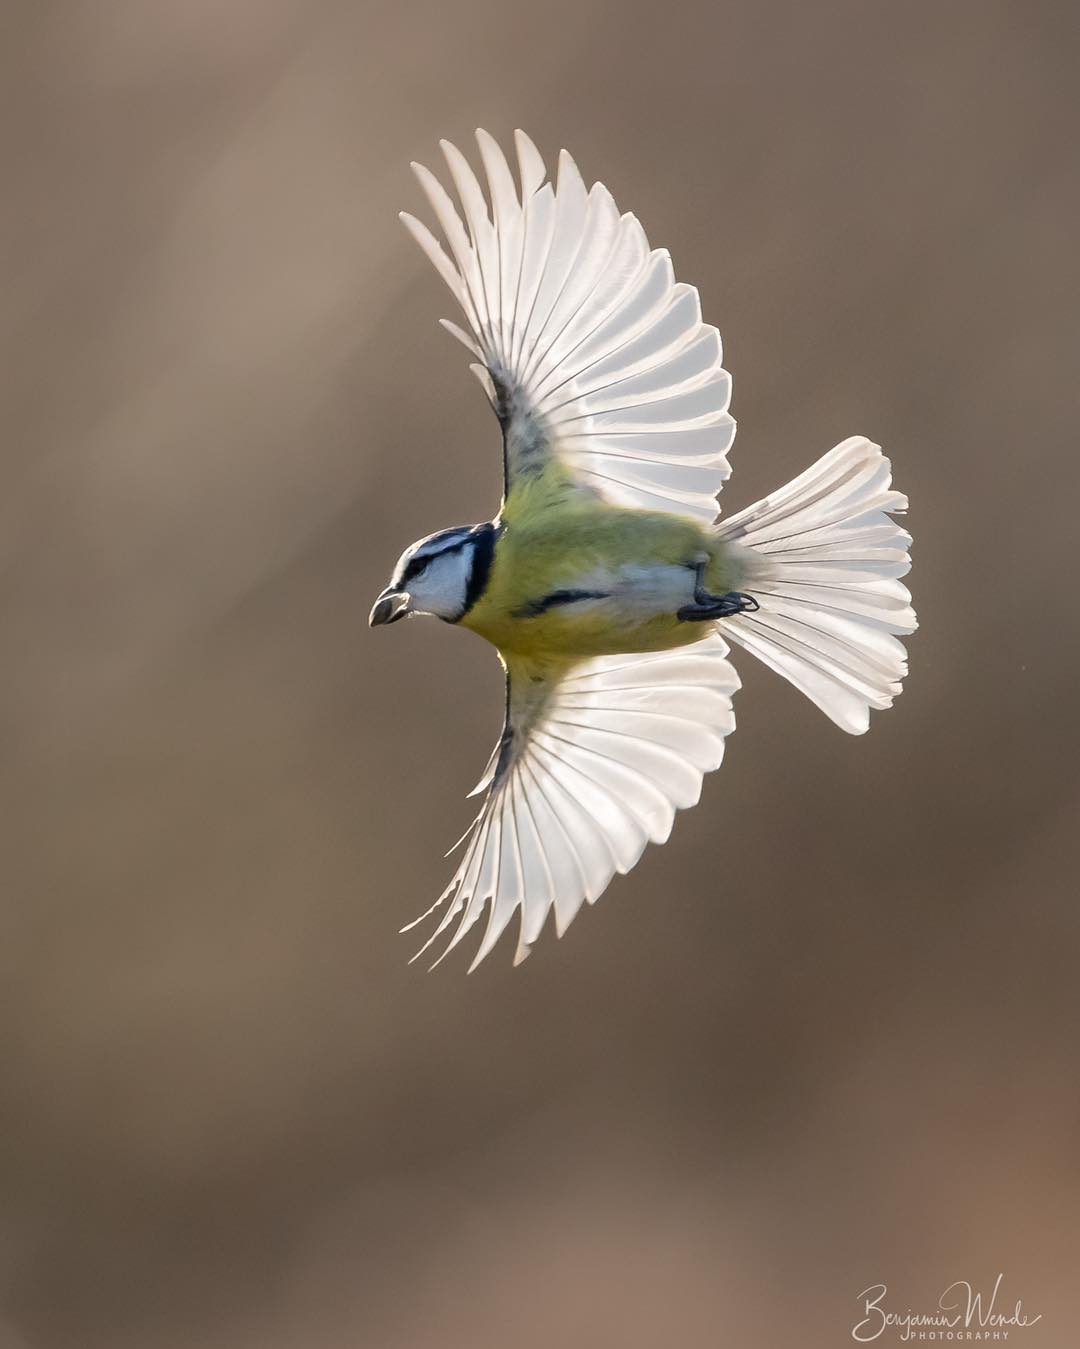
(592,764)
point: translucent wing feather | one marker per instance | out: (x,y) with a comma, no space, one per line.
(590,768)
(593,351)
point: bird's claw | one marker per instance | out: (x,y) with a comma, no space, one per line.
(708,606)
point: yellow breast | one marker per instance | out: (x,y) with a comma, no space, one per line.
(556,540)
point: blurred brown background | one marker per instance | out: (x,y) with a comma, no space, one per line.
(828,1036)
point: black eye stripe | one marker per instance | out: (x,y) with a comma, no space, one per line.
(451,542)
(415,566)
(419,561)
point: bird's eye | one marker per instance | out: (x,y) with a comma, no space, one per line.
(413,569)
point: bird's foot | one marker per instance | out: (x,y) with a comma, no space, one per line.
(706,606)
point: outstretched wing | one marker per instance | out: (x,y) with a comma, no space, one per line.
(587,346)
(590,768)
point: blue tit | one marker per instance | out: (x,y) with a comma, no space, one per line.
(606,582)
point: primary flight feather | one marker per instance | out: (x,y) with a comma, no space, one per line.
(605,581)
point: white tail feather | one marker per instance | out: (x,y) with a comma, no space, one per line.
(823,560)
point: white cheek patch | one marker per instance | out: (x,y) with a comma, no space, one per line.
(441,588)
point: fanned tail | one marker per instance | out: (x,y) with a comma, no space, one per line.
(823,559)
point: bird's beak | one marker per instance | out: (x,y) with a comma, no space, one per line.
(389,607)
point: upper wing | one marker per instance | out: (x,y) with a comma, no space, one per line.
(589,768)
(587,346)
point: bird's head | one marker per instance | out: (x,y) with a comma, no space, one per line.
(443,575)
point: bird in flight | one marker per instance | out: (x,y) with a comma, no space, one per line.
(606,583)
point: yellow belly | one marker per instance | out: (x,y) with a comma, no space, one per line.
(636,556)
(576,632)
